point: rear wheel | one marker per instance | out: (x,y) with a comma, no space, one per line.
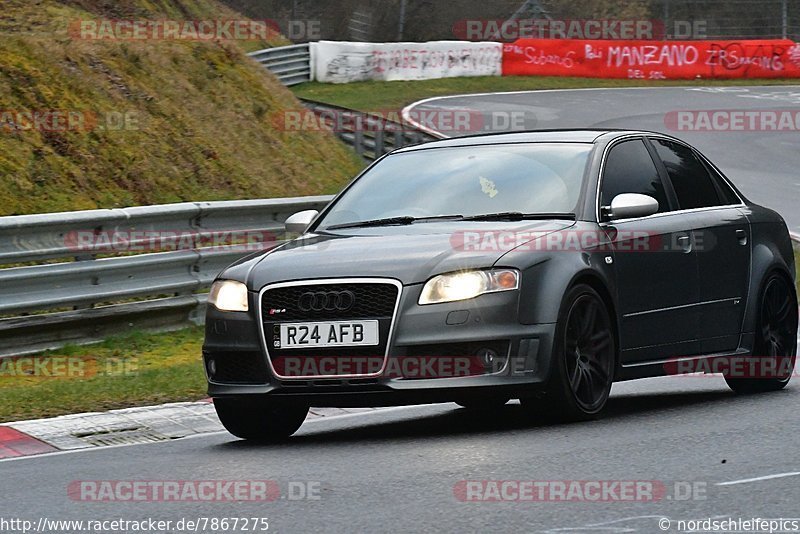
(260,419)
(584,355)
(775,347)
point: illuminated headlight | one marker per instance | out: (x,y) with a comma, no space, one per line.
(467,285)
(227,295)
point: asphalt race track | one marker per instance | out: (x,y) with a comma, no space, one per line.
(764,164)
(395,470)
(711,453)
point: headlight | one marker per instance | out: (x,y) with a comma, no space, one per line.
(467,285)
(227,295)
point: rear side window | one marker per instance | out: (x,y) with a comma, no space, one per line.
(690,178)
(727,194)
(630,169)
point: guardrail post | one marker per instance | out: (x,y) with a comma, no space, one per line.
(785,18)
(380,143)
(358,142)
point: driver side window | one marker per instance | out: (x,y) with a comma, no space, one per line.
(630,169)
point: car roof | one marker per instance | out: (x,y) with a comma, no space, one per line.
(585,135)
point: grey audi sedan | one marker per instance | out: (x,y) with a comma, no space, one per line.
(539,266)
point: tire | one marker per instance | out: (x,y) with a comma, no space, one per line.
(775,337)
(260,419)
(583,362)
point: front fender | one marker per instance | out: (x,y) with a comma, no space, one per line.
(546,280)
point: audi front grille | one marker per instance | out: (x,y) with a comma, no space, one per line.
(340,300)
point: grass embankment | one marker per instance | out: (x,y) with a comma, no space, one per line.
(133,370)
(197,124)
(176,120)
(384,96)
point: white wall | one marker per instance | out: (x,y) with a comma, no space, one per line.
(343,62)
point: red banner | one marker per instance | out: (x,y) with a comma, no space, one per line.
(648,60)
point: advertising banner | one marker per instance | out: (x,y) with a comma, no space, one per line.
(648,60)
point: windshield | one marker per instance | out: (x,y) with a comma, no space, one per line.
(466,181)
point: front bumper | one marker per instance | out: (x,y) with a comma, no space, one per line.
(490,319)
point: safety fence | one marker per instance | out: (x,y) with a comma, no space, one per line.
(78,277)
(652,59)
(370,135)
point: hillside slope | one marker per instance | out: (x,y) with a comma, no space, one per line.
(159,121)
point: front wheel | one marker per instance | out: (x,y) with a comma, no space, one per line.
(260,419)
(584,355)
(775,347)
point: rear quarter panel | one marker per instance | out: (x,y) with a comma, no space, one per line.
(772,250)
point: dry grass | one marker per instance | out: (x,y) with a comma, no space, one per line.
(201,116)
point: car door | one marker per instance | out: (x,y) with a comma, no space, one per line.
(654,258)
(722,235)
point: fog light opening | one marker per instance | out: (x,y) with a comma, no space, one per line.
(211,366)
(488,358)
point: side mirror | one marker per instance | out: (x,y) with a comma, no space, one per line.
(631,205)
(298,222)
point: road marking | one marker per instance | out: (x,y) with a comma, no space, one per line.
(16,444)
(207,434)
(406,111)
(605,526)
(609,526)
(758,479)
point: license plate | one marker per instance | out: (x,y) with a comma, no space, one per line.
(328,334)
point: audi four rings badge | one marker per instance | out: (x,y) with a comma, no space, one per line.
(326,301)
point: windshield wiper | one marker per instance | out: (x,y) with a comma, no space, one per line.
(518,216)
(391,221)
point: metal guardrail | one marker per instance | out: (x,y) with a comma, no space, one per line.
(57,289)
(291,64)
(370,135)
(375,136)
(61,285)
(66,292)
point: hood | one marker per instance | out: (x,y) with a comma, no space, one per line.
(411,254)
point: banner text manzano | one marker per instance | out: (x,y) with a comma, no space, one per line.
(652,60)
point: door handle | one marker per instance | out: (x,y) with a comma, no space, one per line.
(741,235)
(685,243)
